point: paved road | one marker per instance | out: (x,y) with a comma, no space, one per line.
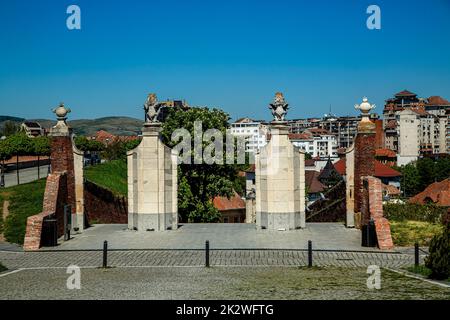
(136,258)
(220,236)
(25,175)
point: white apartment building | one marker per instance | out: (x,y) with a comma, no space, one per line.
(408,136)
(255,133)
(317,145)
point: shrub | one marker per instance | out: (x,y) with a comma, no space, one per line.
(411,211)
(439,258)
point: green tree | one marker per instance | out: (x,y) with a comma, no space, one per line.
(88,145)
(41,147)
(410,181)
(439,258)
(198,184)
(425,167)
(442,168)
(10,128)
(5,154)
(21,145)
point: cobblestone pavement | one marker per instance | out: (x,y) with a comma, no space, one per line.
(135,258)
(220,235)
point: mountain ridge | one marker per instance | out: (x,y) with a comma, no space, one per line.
(117,125)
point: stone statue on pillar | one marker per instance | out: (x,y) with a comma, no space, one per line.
(280,176)
(279,108)
(152,109)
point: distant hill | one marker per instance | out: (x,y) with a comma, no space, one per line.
(6,118)
(125,126)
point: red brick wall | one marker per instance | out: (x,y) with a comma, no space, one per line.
(102,206)
(55,197)
(372,207)
(62,161)
(379,134)
(364,163)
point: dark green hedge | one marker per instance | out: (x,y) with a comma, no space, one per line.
(409,211)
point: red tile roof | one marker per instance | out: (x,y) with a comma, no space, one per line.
(390,190)
(392,124)
(225,204)
(385,153)
(437,101)
(405,93)
(312,182)
(420,110)
(299,136)
(310,162)
(381,170)
(106,137)
(438,193)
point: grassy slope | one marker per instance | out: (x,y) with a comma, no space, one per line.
(110,175)
(25,200)
(406,233)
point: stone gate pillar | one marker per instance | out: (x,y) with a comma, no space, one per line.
(280,177)
(364,153)
(65,157)
(152,183)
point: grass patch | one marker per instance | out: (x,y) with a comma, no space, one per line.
(2,268)
(406,233)
(110,175)
(422,270)
(24,200)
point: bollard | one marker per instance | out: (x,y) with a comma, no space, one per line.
(310,254)
(416,254)
(105,254)
(207,254)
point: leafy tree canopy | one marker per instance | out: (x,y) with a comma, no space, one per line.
(198,184)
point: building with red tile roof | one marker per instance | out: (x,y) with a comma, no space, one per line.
(386,156)
(232,209)
(437,193)
(106,138)
(415,127)
(386,174)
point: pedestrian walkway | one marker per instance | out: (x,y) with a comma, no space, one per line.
(25,175)
(330,236)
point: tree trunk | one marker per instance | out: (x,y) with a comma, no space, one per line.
(38,167)
(17,169)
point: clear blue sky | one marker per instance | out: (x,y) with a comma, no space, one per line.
(231,54)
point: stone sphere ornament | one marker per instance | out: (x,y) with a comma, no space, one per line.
(365,108)
(61,111)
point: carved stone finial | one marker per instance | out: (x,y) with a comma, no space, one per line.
(61,127)
(61,112)
(365,108)
(279,107)
(152,109)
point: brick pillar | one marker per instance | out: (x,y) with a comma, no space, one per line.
(364,158)
(373,208)
(62,161)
